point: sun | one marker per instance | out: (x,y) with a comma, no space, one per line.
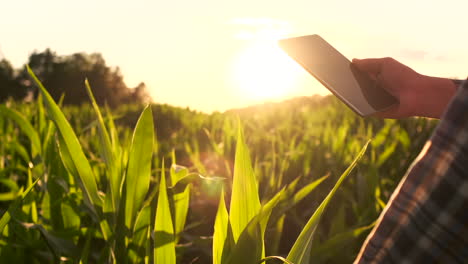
(263,71)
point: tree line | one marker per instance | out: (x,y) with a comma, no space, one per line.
(65,75)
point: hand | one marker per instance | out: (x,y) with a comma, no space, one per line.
(419,95)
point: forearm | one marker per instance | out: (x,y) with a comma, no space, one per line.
(434,96)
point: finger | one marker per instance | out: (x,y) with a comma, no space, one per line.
(371,66)
(393,113)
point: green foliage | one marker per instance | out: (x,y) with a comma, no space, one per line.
(300,252)
(97,192)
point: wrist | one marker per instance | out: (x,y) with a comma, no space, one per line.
(434,96)
(457,82)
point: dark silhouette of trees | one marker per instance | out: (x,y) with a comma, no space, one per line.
(65,75)
(10,85)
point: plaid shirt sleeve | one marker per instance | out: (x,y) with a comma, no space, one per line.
(426,220)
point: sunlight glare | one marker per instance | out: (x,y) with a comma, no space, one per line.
(263,71)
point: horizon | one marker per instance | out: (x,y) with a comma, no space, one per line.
(232,60)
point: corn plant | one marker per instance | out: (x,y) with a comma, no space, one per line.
(239,235)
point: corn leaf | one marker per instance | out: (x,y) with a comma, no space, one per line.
(252,237)
(139,166)
(114,174)
(25,126)
(139,243)
(77,155)
(14,206)
(341,240)
(245,202)
(70,166)
(249,247)
(164,246)
(180,199)
(85,251)
(290,197)
(59,246)
(10,184)
(181,207)
(222,237)
(300,252)
(275,258)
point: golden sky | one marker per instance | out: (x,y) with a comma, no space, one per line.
(217,54)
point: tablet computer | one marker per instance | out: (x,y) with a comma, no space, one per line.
(355,88)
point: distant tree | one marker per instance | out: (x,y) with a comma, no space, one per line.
(9,83)
(65,75)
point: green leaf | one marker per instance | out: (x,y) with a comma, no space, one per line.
(59,245)
(404,138)
(139,243)
(277,258)
(85,251)
(181,207)
(164,245)
(249,247)
(245,202)
(252,241)
(386,154)
(180,199)
(178,173)
(274,237)
(222,237)
(328,248)
(114,135)
(70,166)
(139,166)
(25,126)
(306,190)
(290,197)
(14,206)
(15,146)
(13,193)
(300,252)
(114,174)
(70,140)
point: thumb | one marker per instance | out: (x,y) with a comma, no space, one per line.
(371,66)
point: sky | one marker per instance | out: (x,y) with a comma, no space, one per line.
(213,55)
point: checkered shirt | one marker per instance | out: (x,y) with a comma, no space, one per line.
(426,220)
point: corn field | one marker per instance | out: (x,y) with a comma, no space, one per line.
(298,183)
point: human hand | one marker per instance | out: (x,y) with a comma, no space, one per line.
(418,95)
